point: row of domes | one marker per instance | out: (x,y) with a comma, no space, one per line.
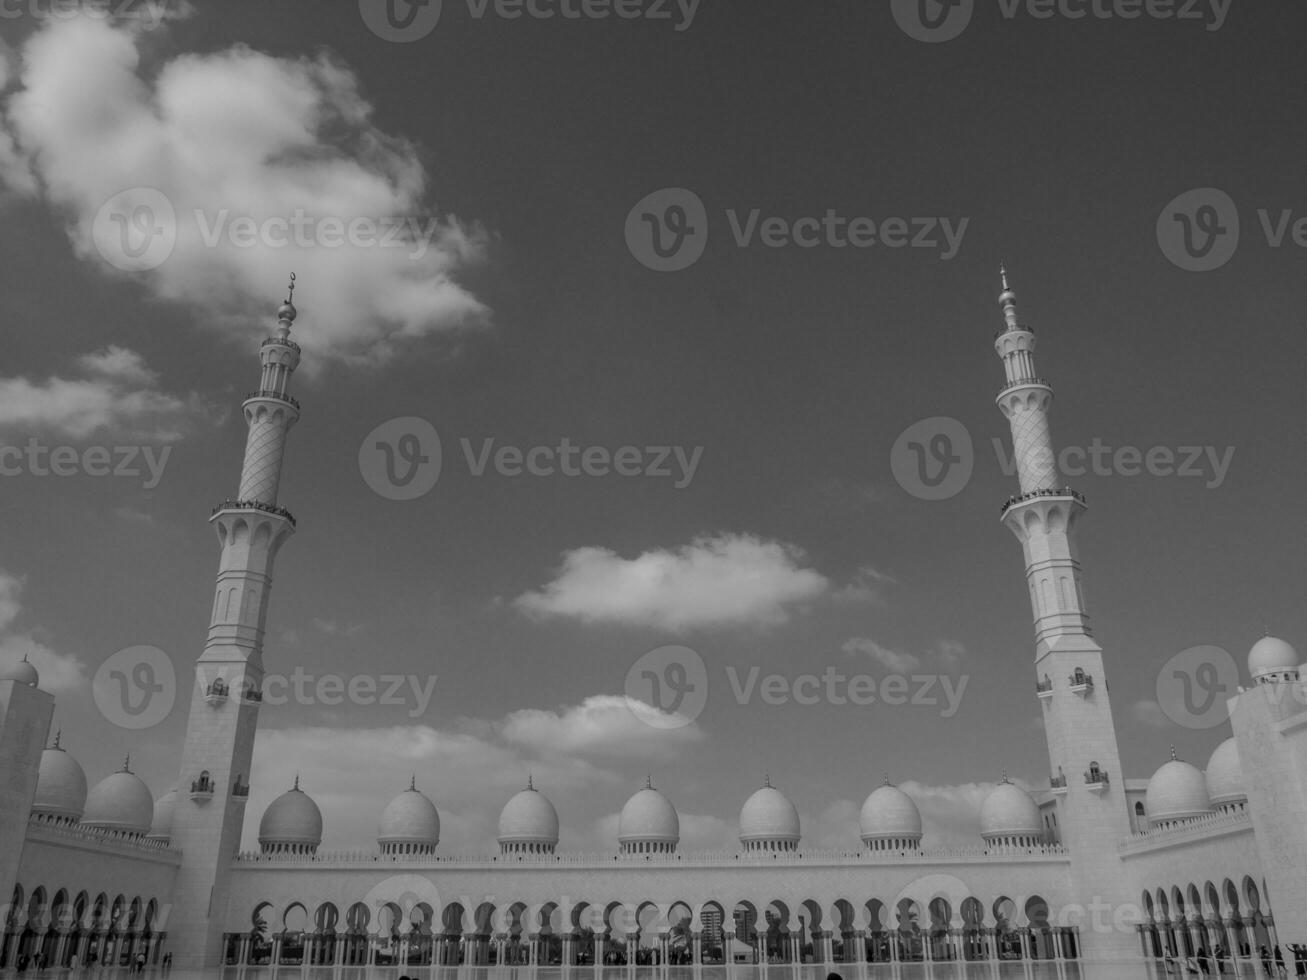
(1179,791)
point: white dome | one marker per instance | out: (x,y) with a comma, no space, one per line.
(60,785)
(22,671)
(1271,655)
(122,802)
(889,813)
(769,815)
(1224,777)
(1009,811)
(528,817)
(292,819)
(1177,791)
(410,818)
(650,817)
(161,825)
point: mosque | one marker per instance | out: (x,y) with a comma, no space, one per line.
(1094,874)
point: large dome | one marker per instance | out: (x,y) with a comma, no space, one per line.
(410,819)
(291,822)
(528,818)
(1271,656)
(161,825)
(120,802)
(1224,777)
(889,814)
(648,819)
(21,671)
(768,817)
(1177,791)
(1009,812)
(60,786)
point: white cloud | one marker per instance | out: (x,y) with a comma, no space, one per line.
(867,585)
(946,654)
(92,117)
(120,396)
(1150,713)
(60,673)
(726,580)
(602,725)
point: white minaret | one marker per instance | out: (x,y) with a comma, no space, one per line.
(214,782)
(1069,673)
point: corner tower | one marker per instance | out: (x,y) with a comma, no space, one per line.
(214,782)
(1070,681)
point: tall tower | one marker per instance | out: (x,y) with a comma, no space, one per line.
(214,782)
(1071,683)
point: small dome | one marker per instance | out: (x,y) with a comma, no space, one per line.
(292,820)
(889,813)
(410,818)
(528,817)
(1009,811)
(1224,777)
(649,817)
(768,815)
(161,825)
(120,802)
(1177,791)
(21,671)
(1271,655)
(60,785)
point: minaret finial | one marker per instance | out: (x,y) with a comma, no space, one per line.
(1174,757)
(297,782)
(1004,780)
(1002,271)
(412,782)
(766,780)
(648,781)
(286,313)
(1008,300)
(127,763)
(886,782)
(530,781)
(57,734)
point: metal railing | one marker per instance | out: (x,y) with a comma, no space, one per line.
(1034,494)
(280,396)
(254,505)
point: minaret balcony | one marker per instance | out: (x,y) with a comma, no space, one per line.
(1036,494)
(1058,785)
(240,792)
(280,396)
(254,505)
(216,693)
(202,789)
(1081,683)
(1044,689)
(1096,780)
(280,342)
(1024,383)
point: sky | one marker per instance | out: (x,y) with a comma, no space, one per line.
(765,371)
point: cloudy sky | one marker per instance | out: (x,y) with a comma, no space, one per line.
(499,162)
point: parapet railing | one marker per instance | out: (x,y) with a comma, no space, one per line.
(1211,824)
(40,829)
(1022,382)
(705,859)
(268,393)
